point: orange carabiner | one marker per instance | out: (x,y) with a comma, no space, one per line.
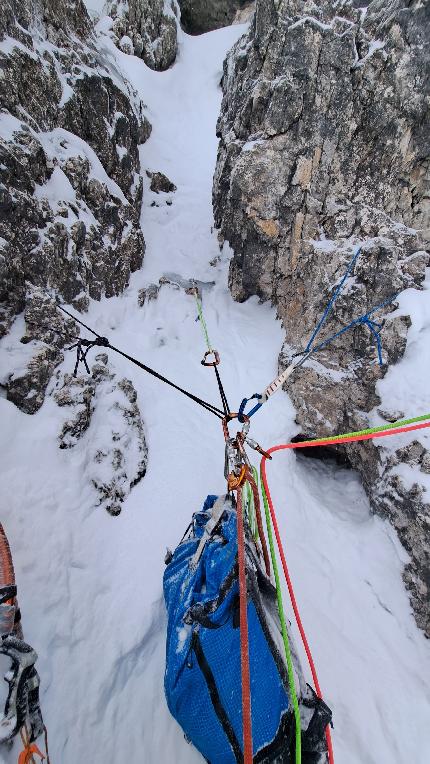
(235,481)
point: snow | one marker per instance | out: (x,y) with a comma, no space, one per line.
(95,8)
(374,46)
(9,125)
(62,144)
(309,20)
(405,386)
(90,586)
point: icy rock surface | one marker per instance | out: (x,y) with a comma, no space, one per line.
(116,446)
(70,186)
(147,28)
(324,146)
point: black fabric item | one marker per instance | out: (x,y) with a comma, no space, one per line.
(34,712)
(7,593)
(216,702)
(313,739)
(22,702)
(280,749)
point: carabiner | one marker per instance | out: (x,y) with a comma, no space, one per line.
(242,414)
(245,421)
(234,481)
(211,363)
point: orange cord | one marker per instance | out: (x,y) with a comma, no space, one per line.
(26,756)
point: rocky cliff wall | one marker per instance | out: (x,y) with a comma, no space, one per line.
(324,147)
(70,185)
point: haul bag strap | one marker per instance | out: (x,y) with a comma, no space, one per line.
(215,698)
(217,513)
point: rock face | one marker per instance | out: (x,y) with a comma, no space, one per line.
(148,29)
(70,188)
(70,200)
(160,183)
(198,16)
(324,147)
(116,449)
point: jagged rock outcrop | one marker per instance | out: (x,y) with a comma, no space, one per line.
(116,448)
(198,16)
(148,29)
(160,183)
(70,200)
(324,147)
(70,183)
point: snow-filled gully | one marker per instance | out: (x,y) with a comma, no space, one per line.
(91,585)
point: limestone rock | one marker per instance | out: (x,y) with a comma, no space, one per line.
(126,45)
(70,184)
(148,294)
(324,147)
(149,27)
(27,390)
(116,448)
(160,182)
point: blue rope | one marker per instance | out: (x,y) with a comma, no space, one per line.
(333,300)
(374,327)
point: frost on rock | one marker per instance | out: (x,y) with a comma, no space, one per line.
(70,184)
(150,27)
(324,146)
(103,418)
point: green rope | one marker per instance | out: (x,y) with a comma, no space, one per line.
(202,320)
(293,694)
(372,430)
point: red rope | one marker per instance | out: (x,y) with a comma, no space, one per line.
(308,444)
(244,646)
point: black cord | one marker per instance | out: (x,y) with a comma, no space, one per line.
(104,342)
(226,407)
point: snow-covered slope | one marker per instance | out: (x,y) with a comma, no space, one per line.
(90,586)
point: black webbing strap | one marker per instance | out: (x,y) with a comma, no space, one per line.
(7,593)
(215,698)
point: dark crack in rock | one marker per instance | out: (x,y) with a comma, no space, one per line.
(324,146)
(199,16)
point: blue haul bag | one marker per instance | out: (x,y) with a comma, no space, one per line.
(203,674)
